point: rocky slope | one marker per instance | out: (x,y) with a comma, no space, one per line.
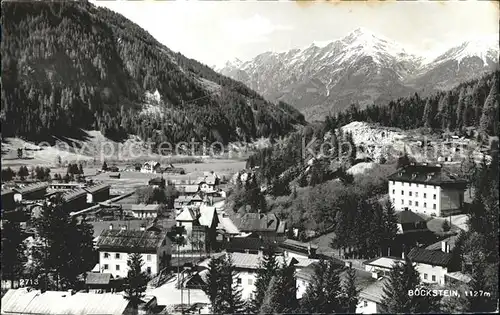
(359,68)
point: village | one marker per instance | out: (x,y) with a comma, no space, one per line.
(179,237)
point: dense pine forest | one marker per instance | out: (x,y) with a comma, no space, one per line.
(68,66)
(471,104)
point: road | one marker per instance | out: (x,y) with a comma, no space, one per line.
(168,294)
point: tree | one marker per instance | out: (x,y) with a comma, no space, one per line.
(350,292)
(445,226)
(231,291)
(136,281)
(8,174)
(390,223)
(13,247)
(476,302)
(19,153)
(324,292)
(80,169)
(281,296)
(489,117)
(23,172)
(404,278)
(214,285)
(66,250)
(267,269)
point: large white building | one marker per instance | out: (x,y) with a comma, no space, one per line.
(427,189)
(115,246)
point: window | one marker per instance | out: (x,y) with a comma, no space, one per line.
(410,193)
(425,186)
(106,266)
(434,206)
(425,204)
(433,278)
(402,192)
(106,255)
(409,184)
(425,195)
(239,281)
(393,200)
(250,282)
(402,201)
(393,182)
(417,185)
(409,202)
(416,203)
(148,270)
(148,257)
(416,194)
(117,267)
(393,191)
(365,303)
(117,255)
(434,197)
(425,276)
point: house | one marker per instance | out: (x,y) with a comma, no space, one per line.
(427,189)
(208,183)
(27,301)
(158,182)
(292,248)
(116,175)
(181,202)
(449,241)
(97,193)
(75,200)
(98,282)
(142,211)
(115,246)
(175,170)
(7,200)
(370,298)
(381,265)
(188,190)
(247,265)
(433,265)
(266,225)
(195,201)
(199,224)
(30,192)
(409,221)
(151,167)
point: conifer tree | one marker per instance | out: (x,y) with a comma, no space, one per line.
(324,292)
(136,281)
(267,269)
(231,291)
(213,285)
(488,124)
(13,248)
(404,278)
(281,295)
(350,292)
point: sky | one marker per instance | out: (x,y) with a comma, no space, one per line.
(214,32)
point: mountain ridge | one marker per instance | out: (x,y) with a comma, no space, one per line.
(359,68)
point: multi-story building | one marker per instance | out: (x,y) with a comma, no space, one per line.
(97,193)
(115,246)
(427,189)
(433,265)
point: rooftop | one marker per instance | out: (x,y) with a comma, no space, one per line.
(187,215)
(98,278)
(74,194)
(228,225)
(7,192)
(383,262)
(100,226)
(298,246)
(130,240)
(407,216)
(23,301)
(375,291)
(97,188)
(450,240)
(252,261)
(256,222)
(141,207)
(207,216)
(31,188)
(425,173)
(430,257)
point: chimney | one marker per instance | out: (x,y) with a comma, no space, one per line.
(444,247)
(111,226)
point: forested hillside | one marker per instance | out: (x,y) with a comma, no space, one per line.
(70,65)
(471,104)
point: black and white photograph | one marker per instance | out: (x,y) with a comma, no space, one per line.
(249,157)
